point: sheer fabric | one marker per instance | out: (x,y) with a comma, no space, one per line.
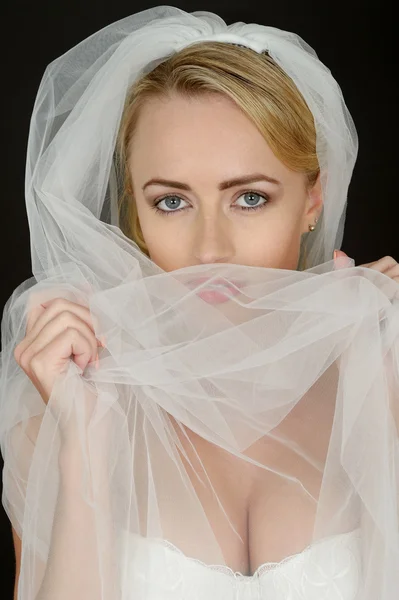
(295,376)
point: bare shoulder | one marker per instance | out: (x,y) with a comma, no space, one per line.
(18,550)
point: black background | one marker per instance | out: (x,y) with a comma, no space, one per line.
(356,41)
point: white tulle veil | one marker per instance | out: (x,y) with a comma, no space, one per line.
(304,364)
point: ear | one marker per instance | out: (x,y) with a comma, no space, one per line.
(314,203)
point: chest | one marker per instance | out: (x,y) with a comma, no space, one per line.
(256,515)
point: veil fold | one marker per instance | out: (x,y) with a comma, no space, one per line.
(292,384)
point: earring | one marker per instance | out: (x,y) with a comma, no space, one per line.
(313,227)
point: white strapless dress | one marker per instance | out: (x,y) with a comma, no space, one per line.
(327,570)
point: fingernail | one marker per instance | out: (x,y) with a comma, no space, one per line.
(335,254)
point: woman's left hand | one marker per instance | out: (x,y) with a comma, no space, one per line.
(387,265)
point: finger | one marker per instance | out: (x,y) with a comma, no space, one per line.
(62,322)
(35,308)
(69,344)
(339,254)
(339,262)
(38,301)
(381,265)
(57,306)
(51,322)
(393,272)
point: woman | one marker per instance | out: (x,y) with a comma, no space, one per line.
(205,405)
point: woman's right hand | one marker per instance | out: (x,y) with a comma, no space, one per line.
(57,331)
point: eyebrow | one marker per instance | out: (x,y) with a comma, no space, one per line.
(222,186)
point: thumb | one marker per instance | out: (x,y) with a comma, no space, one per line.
(339,253)
(338,256)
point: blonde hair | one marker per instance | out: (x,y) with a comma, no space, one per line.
(258,86)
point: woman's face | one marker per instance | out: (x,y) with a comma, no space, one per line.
(209,189)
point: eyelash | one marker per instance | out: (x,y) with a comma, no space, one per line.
(167,213)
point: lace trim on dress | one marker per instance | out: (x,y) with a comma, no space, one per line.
(264,567)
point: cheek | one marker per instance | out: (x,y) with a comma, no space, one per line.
(274,245)
(167,251)
(166,258)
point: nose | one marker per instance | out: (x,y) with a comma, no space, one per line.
(212,240)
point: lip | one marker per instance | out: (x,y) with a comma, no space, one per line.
(233,284)
(210,294)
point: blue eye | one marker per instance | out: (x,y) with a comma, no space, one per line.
(252,198)
(172,203)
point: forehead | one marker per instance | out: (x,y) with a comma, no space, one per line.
(209,131)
